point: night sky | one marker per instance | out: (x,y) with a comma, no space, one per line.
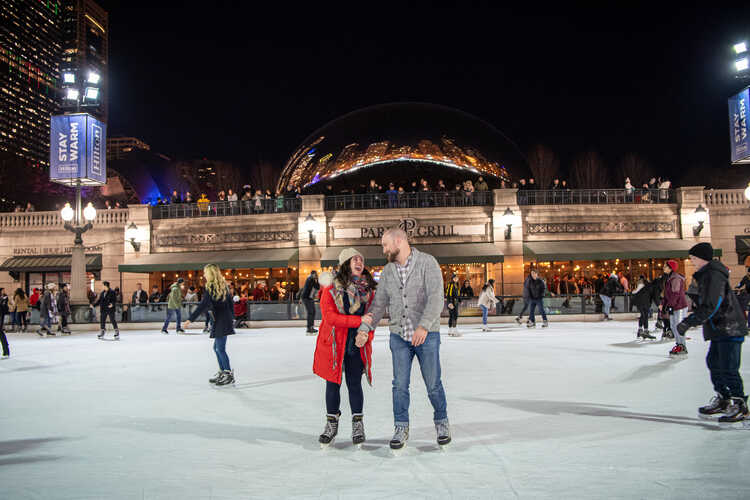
(210,79)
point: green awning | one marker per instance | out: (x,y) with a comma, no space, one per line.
(742,247)
(230,259)
(549,251)
(445,253)
(50,263)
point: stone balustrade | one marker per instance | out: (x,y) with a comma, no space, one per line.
(31,220)
(725,198)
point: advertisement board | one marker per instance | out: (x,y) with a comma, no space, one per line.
(738,108)
(78,152)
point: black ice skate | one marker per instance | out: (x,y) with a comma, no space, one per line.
(645,334)
(545,323)
(443,430)
(117,334)
(331,429)
(101,335)
(164,331)
(180,331)
(216,377)
(400,436)
(736,412)
(358,430)
(518,320)
(226,378)
(530,324)
(668,334)
(718,404)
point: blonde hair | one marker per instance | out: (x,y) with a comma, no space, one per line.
(216,285)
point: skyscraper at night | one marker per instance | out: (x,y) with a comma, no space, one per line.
(85,55)
(30,50)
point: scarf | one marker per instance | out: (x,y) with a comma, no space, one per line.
(358,291)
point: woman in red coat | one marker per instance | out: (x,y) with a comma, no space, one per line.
(340,348)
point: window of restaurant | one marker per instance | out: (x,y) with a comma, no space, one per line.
(40,280)
(475,273)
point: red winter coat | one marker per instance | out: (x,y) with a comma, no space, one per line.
(332,334)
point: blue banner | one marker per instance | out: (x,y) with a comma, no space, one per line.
(78,151)
(738,108)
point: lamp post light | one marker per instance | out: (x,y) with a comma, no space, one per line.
(507,220)
(131,234)
(700,218)
(309,226)
(73,219)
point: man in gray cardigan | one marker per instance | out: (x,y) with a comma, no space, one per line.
(411,286)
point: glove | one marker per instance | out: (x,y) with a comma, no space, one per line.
(682,328)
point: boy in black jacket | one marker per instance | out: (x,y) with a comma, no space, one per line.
(719,311)
(107,301)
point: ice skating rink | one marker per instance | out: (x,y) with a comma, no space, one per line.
(574,411)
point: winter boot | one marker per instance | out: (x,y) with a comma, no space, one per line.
(736,412)
(226,378)
(545,323)
(101,335)
(331,429)
(718,404)
(678,350)
(443,430)
(216,377)
(358,429)
(400,436)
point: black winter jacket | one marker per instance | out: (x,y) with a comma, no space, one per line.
(107,300)
(612,287)
(716,307)
(223,309)
(536,289)
(310,285)
(526,285)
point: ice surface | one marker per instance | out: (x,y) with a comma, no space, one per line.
(575,411)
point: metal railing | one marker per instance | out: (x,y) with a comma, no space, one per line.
(595,196)
(422,199)
(226,208)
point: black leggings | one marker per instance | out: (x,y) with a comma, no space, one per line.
(453,316)
(643,319)
(104,313)
(353,369)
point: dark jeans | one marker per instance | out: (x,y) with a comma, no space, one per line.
(353,369)
(3,338)
(453,316)
(220,348)
(104,313)
(524,308)
(178,318)
(310,306)
(643,319)
(534,304)
(723,362)
(22,319)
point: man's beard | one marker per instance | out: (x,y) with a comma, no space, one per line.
(391,256)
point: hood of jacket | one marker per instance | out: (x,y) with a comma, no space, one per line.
(713,266)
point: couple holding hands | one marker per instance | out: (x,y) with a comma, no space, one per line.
(352,305)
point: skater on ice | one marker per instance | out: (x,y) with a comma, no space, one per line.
(174,306)
(63,309)
(724,325)
(487,301)
(674,303)
(3,311)
(341,348)
(641,299)
(411,286)
(537,290)
(106,302)
(307,297)
(526,299)
(452,297)
(47,311)
(218,299)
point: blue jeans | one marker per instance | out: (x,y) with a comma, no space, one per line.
(484,314)
(170,313)
(534,304)
(606,304)
(428,354)
(220,348)
(45,322)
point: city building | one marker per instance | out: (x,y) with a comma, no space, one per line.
(30,49)
(118,147)
(85,57)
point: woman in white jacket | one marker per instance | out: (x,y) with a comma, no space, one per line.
(487,300)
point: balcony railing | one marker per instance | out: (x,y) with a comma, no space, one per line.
(408,200)
(52,219)
(595,196)
(725,198)
(226,208)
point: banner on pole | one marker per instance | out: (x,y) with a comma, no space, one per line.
(78,150)
(738,109)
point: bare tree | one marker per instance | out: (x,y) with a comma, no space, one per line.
(544,164)
(588,171)
(635,167)
(264,175)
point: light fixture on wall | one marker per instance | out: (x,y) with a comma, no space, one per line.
(700,218)
(131,233)
(507,219)
(309,226)
(747,192)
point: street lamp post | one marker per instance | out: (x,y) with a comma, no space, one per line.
(73,219)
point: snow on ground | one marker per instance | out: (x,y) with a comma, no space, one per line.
(576,411)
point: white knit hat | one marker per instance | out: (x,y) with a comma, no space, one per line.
(347,254)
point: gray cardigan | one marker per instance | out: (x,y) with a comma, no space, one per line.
(423,295)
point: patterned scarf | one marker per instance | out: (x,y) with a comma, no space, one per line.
(358,291)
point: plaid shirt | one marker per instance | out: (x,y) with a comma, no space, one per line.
(407,328)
